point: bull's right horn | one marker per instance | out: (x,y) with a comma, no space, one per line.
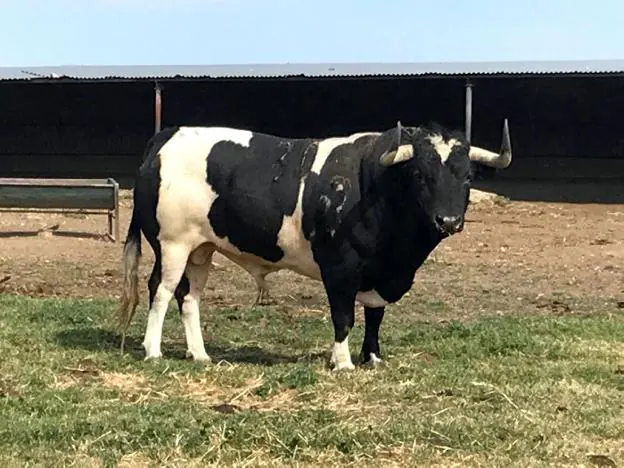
(490,158)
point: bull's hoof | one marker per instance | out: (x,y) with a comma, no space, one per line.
(343,367)
(152,357)
(267,301)
(198,357)
(263,301)
(152,353)
(373,361)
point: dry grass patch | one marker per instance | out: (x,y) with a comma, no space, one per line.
(134,460)
(65,381)
(230,399)
(125,382)
(608,349)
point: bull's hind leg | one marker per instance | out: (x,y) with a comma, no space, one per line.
(188,294)
(172,260)
(263,297)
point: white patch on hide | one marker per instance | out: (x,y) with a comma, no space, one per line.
(297,249)
(443,148)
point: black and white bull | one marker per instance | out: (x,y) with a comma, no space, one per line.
(360,213)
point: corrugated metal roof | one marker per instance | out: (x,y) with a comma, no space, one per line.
(310,70)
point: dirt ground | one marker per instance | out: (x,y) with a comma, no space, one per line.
(528,249)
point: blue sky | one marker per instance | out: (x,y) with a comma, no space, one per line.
(123,32)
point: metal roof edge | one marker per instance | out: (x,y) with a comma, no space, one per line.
(310,70)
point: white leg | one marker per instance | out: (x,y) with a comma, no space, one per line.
(341,357)
(173,263)
(197,276)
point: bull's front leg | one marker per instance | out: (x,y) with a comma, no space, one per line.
(342,306)
(371,354)
(340,272)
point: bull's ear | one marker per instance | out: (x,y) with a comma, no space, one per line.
(402,153)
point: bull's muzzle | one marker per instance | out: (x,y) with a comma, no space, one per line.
(449,225)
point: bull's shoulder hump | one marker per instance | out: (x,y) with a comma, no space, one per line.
(327,145)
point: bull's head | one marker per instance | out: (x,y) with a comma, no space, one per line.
(438,173)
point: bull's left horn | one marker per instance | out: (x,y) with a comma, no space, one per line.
(490,158)
(402,153)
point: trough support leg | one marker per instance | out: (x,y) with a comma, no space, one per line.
(113,215)
(116,214)
(111,221)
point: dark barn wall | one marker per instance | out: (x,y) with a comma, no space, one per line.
(301,108)
(99,129)
(563,128)
(95,129)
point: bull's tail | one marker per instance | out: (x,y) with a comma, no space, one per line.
(131,257)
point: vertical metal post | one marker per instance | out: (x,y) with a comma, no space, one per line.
(468,121)
(157,107)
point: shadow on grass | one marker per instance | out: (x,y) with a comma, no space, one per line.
(99,339)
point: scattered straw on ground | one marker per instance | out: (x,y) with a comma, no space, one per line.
(231,399)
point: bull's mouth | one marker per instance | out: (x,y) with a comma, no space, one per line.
(452,232)
(442,234)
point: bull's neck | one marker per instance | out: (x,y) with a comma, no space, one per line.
(401,222)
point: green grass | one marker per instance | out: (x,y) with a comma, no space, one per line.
(521,390)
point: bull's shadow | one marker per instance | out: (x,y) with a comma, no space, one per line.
(100,339)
